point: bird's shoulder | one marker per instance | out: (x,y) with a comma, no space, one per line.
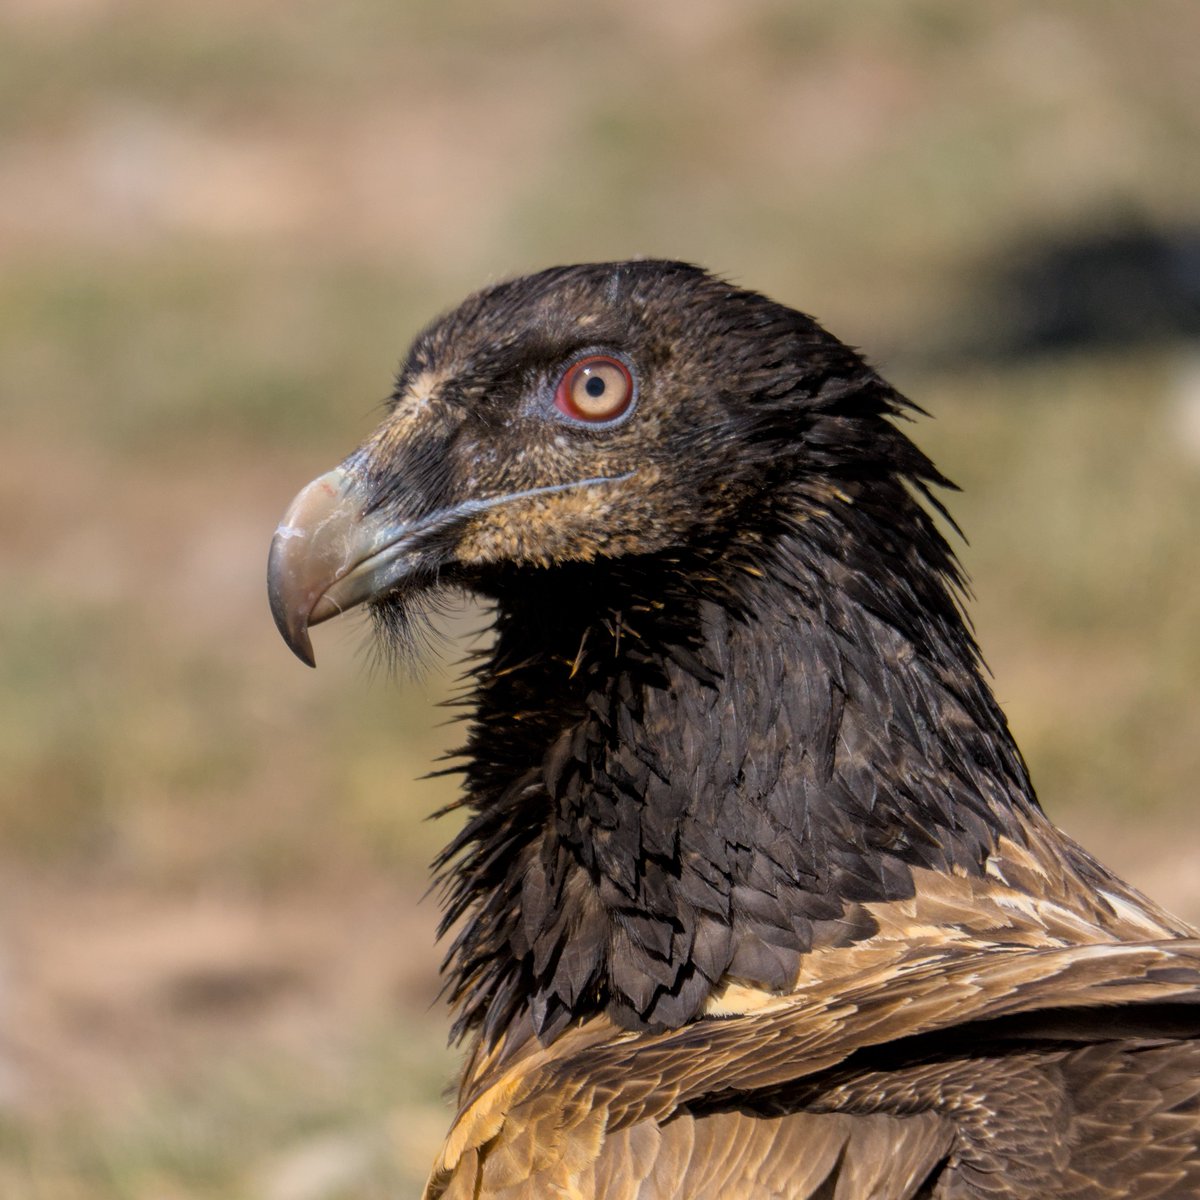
(852,1073)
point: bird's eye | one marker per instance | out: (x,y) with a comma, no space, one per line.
(595,388)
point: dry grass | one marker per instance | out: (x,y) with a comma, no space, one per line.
(221,223)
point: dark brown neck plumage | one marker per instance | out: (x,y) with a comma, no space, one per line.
(688,769)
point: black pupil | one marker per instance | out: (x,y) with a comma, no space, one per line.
(594,386)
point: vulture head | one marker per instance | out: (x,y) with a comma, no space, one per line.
(599,413)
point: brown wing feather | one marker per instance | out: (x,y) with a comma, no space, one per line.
(550,1120)
(1102,1122)
(801,1156)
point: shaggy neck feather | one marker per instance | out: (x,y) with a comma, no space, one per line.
(682,772)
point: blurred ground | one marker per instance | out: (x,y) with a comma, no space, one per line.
(219,226)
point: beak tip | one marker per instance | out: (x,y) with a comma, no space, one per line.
(292,617)
(300,644)
(310,567)
(293,628)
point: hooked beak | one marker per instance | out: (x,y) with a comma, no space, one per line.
(330,553)
(333,550)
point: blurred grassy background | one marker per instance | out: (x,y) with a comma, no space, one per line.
(219,226)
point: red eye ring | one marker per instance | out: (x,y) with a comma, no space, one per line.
(595,389)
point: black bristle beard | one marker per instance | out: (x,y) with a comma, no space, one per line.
(404,635)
